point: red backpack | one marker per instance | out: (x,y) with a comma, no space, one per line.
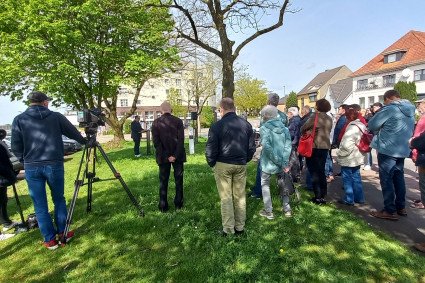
(365,140)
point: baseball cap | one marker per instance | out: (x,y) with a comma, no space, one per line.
(420,100)
(37,96)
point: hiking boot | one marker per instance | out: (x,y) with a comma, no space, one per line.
(69,236)
(6,236)
(384,215)
(402,212)
(51,245)
(239,233)
(287,214)
(268,215)
(7,227)
(420,247)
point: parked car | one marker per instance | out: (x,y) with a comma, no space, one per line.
(70,146)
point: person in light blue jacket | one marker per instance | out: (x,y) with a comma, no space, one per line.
(276,143)
(393,127)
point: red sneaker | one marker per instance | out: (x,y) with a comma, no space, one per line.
(69,236)
(51,245)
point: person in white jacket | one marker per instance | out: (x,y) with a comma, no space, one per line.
(350,159)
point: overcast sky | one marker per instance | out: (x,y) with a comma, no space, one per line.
(323,35)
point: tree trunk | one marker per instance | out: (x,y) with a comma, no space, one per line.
(117,126)
(228,83)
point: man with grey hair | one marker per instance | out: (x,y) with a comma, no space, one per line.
(230,147)
(274,100)
(276,143)
(168,139)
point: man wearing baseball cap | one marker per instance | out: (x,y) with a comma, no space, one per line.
(37,142)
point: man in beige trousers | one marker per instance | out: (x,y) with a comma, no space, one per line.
(230,146)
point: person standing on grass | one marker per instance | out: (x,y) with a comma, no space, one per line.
(316,163)
(277,146)
(350,158)
(419,129)
(229,148)
(274,101)
(393,126)
(168,139)
(136,134)
(37,140)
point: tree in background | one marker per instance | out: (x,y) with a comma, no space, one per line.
(250,95)
(407,90)
(175,98)
(291,100)
(204,22)
(80,52)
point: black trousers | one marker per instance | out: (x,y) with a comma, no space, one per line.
(316,167)
(4,217)
(164,175)
(136,146)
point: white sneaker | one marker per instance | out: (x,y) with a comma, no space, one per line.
(138,155)
(367,168)
(287,213)
(268,215)
(6,236)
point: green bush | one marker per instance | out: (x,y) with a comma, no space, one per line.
(207,117)
(127,126)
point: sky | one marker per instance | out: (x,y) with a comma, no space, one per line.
(322,35)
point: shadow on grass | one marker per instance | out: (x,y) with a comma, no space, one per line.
(114,244)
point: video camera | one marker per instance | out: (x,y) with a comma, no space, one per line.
(90,119)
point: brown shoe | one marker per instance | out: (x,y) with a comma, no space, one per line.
(402,212)
(384,215)
(420,247)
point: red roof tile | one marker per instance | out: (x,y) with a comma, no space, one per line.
(413,43)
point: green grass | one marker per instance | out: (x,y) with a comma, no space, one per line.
(320,243)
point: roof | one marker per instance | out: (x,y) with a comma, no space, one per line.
(282,100)
(315,84)
(341,89)
(413,43)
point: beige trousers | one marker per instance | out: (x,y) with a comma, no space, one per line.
(231,181)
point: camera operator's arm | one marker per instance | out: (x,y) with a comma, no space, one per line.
(69,130)
(17,143)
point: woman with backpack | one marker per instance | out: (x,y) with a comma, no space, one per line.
(351,158)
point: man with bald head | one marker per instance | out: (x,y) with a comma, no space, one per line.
(168,139)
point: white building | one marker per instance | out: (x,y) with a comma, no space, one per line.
(404,60)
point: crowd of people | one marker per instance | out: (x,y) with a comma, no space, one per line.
(36,140)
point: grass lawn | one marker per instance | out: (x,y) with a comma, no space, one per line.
(320,243)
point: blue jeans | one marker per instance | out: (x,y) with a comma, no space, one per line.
(391,176)
(329,170)
(352,184)
(256,190)
(36,177)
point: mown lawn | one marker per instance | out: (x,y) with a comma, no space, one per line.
(320,244)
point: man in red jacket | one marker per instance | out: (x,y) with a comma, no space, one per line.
(168,139)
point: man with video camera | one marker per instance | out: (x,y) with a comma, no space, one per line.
(37,142)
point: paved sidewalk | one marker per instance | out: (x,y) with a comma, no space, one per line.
(410,229)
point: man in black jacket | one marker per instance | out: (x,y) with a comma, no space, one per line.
(136,134)
(230,146)
(37,141)
(7,178)
(168,139)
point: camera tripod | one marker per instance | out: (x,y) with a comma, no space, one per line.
(89,156)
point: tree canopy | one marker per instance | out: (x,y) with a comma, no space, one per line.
(291,100)
(250,95)
(407,90)
(80,52)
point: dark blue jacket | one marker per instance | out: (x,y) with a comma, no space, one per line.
(231,141)
(37,136)
(294,130)
(338,127)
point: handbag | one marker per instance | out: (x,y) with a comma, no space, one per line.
(17,165)
(305,147)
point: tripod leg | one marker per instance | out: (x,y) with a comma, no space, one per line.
(18,204)
(118,176)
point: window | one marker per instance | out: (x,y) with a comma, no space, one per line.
(419,75)
(362,84)
(166,81)
(362,102)
(302,102)
(167,92)
(138,102)
(388,80)
(312,96)
(381,98)
(124,102)
(393,57)
(371,100)
(178,82)
(148,115)
(158,114)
